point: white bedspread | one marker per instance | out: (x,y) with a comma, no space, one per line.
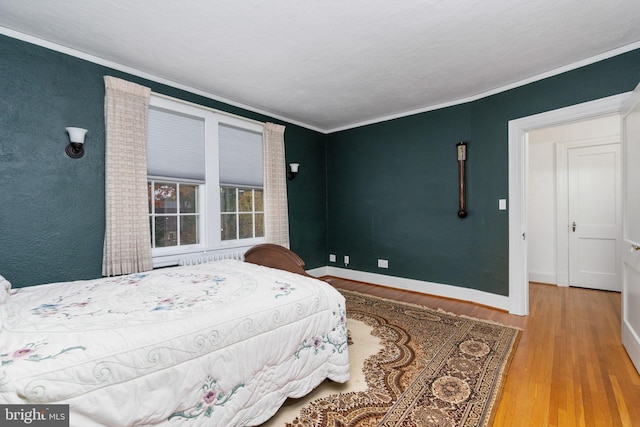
(222,343)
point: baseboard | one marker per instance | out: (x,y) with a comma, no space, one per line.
(448,291)
(538,277)
(563,278)
(631,344)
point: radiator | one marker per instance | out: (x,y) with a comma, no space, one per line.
(235,253)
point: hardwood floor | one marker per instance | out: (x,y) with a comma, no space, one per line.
(569,369)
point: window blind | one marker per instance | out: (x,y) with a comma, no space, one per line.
(240,156)
(175,145)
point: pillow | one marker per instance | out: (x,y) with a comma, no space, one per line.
(5,287)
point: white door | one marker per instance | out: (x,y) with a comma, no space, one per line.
(595,216)
(631,230)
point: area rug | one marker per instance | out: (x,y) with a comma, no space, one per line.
(433,369)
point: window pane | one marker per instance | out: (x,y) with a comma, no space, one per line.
(246,226)
(166,231)
(189,230)
(188,198)
(165,197)
(245,200)
(257,194)
(228,227)
(227,199)
(259,225)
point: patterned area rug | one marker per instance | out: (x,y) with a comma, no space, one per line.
(435,369)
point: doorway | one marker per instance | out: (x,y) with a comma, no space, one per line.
(518,151)
(573,204)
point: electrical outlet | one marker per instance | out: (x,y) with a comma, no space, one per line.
(383,263)
(332,258)
(346,260)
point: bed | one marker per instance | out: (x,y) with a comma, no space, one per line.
(218,344)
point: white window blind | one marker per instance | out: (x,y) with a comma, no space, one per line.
(240,156)
(175,145)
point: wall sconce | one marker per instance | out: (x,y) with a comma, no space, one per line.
(75,149)
(293,170)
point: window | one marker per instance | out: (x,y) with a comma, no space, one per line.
(242,213)
(241,174)
(204,172)
(174,214)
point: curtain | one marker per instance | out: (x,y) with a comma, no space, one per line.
(276,211)
(127,238)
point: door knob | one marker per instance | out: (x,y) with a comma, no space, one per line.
(573,226)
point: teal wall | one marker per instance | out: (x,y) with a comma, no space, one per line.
(393,186)
(52,211)
(387,190)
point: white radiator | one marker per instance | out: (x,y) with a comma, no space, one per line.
(235,253)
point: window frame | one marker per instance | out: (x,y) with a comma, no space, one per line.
(209,191)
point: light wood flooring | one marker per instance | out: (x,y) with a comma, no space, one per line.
(569,369)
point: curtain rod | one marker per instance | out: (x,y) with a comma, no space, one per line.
(193,104)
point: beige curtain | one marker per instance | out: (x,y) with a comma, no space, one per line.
(127,240)
(276,211)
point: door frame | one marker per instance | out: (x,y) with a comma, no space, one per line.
(518,175)
(630,338)
(562,200)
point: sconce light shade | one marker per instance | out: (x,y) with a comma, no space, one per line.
(293,170)
(75,149)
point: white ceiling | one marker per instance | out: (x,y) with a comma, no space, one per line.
(333,64)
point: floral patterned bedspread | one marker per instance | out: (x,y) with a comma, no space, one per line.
(222,343)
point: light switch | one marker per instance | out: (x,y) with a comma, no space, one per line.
(502,204)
